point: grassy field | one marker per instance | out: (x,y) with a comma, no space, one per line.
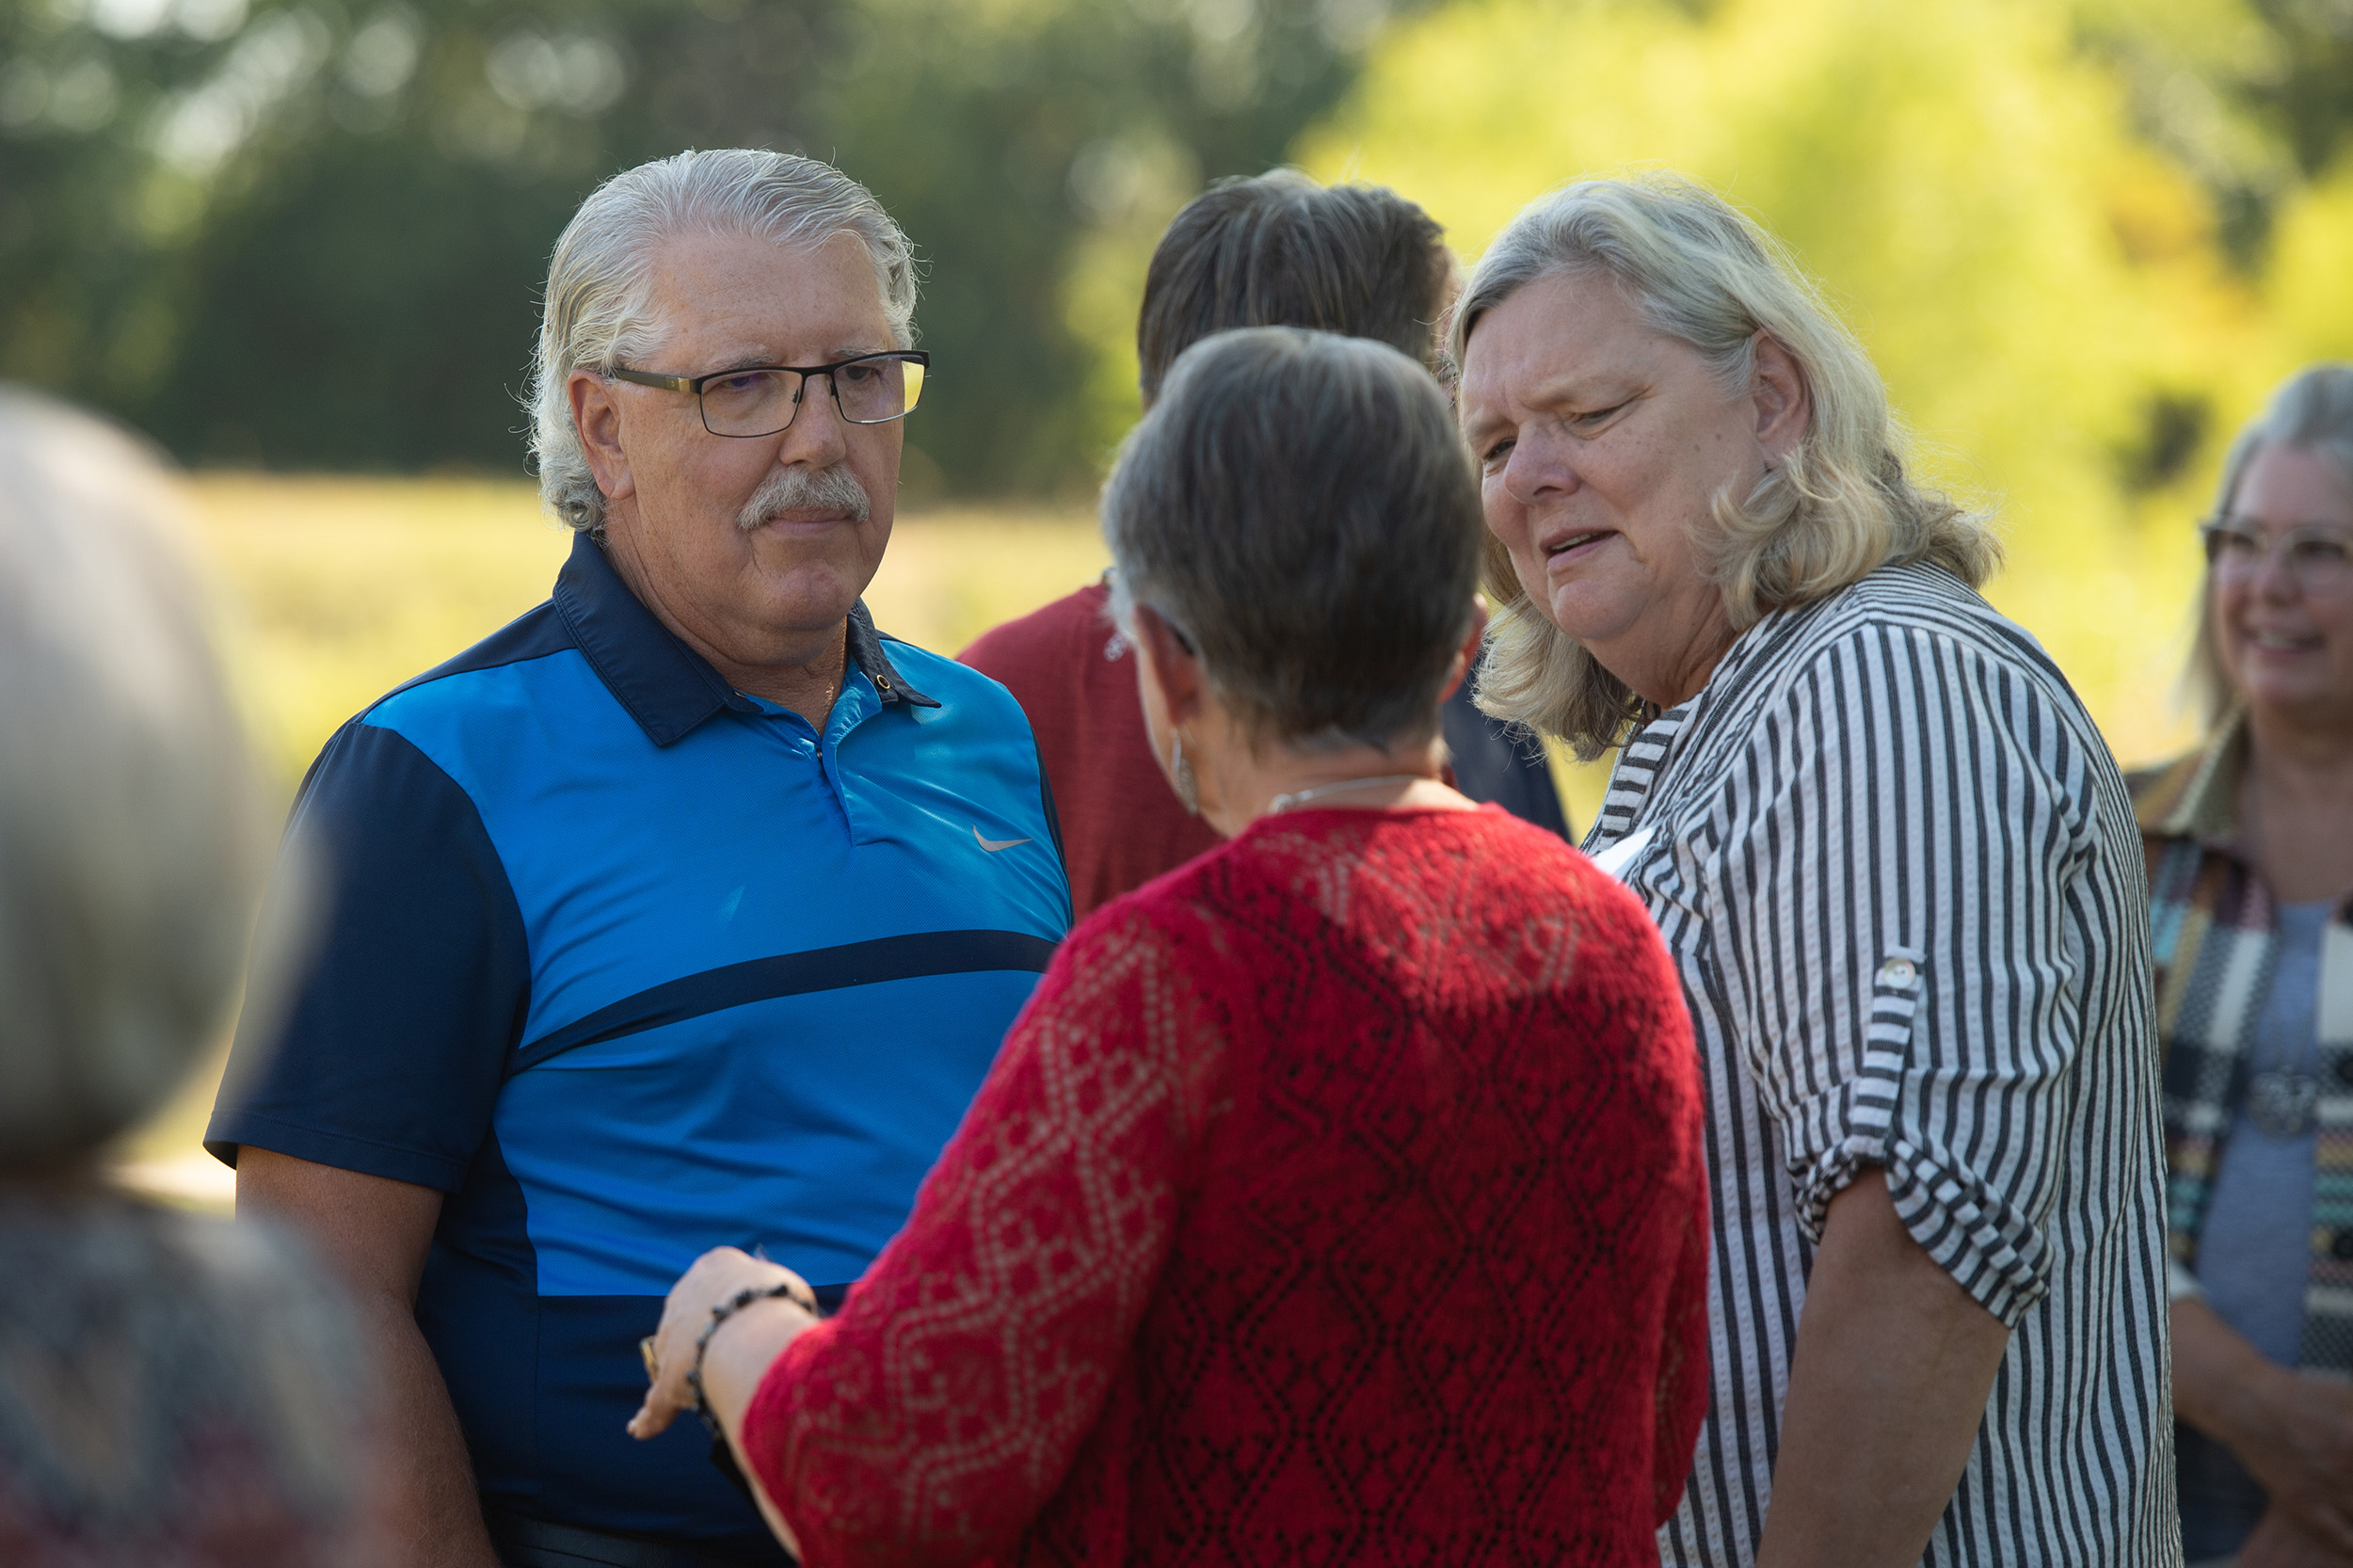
(340,589)
(333,591)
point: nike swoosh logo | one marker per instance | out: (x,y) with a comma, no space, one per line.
(993,845)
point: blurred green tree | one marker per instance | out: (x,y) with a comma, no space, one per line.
(2020,207)
(311,232)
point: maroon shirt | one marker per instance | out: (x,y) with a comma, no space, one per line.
(1075,675)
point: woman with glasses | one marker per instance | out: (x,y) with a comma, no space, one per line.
(1339,1196)
(2251,881)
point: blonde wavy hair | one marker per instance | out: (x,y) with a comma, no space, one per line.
(1838,508)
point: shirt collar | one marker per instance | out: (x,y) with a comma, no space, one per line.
(2198,796)
(866,648)
(665,686)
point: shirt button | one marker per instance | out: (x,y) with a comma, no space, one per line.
(1898,972)
(2342,1248)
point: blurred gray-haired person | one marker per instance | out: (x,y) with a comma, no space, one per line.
(686,911)
(172,1388)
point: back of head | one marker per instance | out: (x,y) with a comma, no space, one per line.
(132,846)
(2312,411)
(1301,508)
(1281,251)
(599,312)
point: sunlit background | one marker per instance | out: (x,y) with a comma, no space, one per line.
(299,243)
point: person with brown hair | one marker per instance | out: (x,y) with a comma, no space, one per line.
(1275,250)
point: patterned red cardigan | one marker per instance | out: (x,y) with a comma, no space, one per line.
(1337,1199)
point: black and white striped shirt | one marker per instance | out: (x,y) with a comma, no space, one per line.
(1900,875)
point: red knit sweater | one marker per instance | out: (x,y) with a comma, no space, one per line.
(1337,1199)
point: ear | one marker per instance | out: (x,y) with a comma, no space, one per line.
(598,419)
(1785,409)
(1466,657)
(1174,669)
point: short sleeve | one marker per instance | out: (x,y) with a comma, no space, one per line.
(387,1056)
(1897,925)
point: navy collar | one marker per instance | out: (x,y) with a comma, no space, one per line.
(866,648)
(667,687)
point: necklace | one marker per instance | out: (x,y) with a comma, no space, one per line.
(2283,1102)
(1297,798)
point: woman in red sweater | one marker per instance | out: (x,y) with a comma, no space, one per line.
(1337,1197)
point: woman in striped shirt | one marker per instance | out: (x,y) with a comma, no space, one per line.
(1898,870)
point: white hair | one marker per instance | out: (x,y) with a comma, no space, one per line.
(600,311)
(1836,509)
(133,844)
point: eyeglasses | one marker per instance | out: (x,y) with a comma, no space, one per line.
(2319,556)
(761,400)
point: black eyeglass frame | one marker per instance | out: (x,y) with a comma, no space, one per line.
(694,385)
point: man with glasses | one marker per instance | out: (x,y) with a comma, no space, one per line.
(686,910)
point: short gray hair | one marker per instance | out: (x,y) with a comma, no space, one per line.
(1838,509)
(133,842)
(2312,410)
(598,310)
(1299,506)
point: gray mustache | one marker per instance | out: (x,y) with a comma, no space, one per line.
(794,489)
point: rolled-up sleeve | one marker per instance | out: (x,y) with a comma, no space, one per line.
(1898,936)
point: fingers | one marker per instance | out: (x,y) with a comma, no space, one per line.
(669,1351)
(664,1401)
(671,1357)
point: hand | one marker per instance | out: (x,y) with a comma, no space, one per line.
(2301,1451)
(2279,1544)
(715,1277)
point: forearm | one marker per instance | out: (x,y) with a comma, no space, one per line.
(734,1362)
(732,1359)
(1887,1389)
(374,1233)
(436,1515)
(2293,1432)
(2220,1382)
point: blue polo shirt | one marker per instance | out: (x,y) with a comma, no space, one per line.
(629,966)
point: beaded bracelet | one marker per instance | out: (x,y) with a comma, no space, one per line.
(792,1289)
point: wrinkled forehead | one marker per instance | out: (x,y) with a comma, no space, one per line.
(734,294)
(1550,337)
